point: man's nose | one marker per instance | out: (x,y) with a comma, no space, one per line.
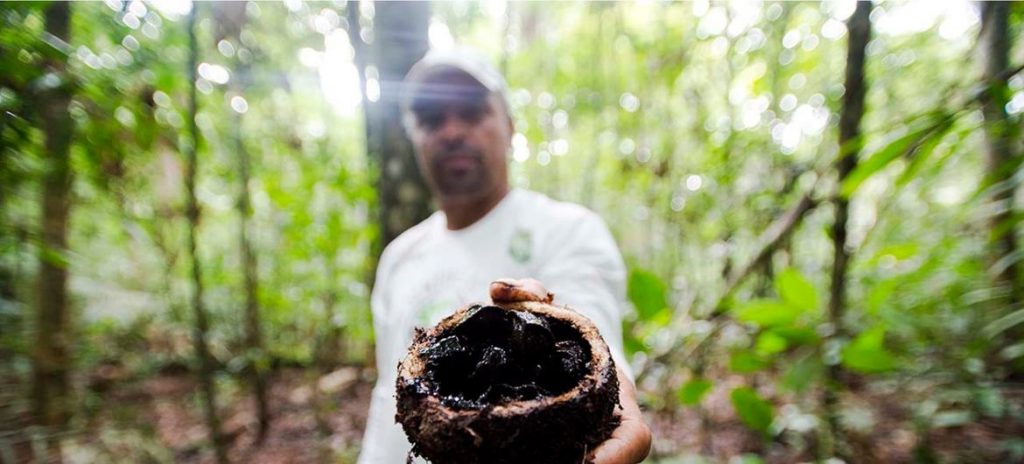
(453,129)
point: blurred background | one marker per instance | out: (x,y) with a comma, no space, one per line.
(816,202)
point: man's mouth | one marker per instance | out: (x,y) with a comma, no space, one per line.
(458,161)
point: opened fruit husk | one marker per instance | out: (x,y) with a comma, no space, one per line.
(511,382)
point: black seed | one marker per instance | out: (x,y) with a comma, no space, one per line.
(486,322)
(496,356)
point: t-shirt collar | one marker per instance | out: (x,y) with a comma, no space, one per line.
(482,224)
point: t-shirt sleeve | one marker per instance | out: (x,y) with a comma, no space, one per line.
(379,307)
(584,269)
(383,440)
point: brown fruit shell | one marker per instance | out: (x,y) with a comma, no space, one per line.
(560,429)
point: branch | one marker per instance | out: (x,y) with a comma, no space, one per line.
(1005,75)
(980,92)
(771,238)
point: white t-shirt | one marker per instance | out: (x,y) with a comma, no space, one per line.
(429,271)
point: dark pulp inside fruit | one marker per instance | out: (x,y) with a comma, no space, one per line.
(498,355)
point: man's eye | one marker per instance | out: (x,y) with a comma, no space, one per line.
(471,114)
(430,121)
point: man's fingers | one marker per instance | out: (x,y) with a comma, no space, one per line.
(629,444)
(517,290)
(631,441)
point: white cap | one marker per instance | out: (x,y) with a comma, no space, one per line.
(464,59)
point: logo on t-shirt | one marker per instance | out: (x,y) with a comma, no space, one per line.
(520,247)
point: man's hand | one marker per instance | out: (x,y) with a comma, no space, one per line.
(631,441)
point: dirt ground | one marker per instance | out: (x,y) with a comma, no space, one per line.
(320,418)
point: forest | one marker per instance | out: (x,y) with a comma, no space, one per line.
(818,205)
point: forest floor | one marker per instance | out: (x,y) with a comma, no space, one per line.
(320,418)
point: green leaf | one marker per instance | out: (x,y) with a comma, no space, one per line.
(889,153)
(900,251)
(922,154)
(750,459)
(691,393)
(745,362)
(800,374)
(795,289)
(1003,324)
(753,410)
(866,353)
(767,313)
(662,318)
(990,402)
(769,343)
(53,256)
(647,293)
(1012,352)
(632,343)
(798,335)
(879,294)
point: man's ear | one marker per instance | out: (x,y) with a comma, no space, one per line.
(511,125)
(497,101)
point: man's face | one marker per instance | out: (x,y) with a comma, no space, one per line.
(461,133)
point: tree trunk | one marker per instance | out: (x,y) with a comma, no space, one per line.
(253,325)
(51,363)
(399,40)
(354,31)
(859,26)
(1000,136)
(200,324)
(230,18)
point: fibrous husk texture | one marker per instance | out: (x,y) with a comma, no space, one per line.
(520,382)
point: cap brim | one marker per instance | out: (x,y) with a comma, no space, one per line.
(465,60)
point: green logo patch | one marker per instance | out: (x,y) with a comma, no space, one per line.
(520,247)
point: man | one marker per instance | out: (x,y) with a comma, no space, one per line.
(458,120)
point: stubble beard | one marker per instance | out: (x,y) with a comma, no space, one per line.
(467,184)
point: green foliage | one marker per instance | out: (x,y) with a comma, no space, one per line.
(692,392)
(769,343)
(689,140)
(632,343)
(746,362)
(798,302)
(920,140)
(647,293)
(802,373)
(867,354)
(750,459)
(796,290)
(753,410)
(1007,322)
(798,335)
(768,313)
(899,252)
(311,187)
